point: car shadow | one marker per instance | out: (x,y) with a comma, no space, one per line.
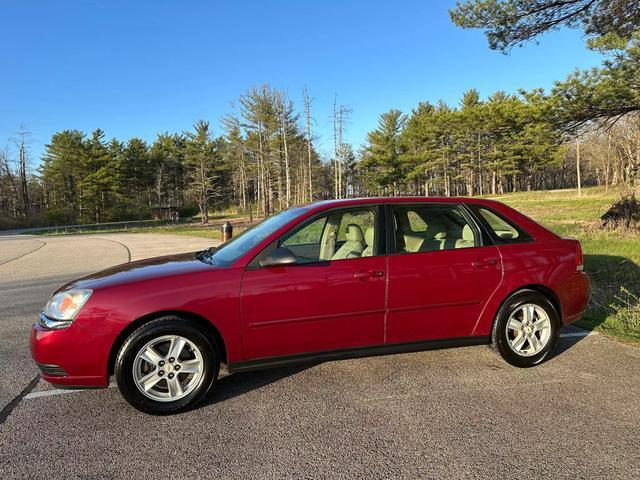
(237,384)
(566,343)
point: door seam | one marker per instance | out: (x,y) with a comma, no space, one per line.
(386,300)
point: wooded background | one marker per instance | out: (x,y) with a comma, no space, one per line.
(585,131)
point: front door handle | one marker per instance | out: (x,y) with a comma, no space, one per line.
(484,262)
(368,274)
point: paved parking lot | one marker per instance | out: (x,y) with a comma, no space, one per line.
(458,413)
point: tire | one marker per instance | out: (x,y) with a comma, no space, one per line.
(526,328)
(175,384)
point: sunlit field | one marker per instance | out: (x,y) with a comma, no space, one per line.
(612,257)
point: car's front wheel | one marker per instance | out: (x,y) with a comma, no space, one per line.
(525,331)
(166,366)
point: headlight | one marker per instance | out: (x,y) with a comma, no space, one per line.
(64,306)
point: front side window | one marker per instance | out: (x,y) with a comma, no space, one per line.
(306,242)
(227,253)
(432,227)
(335,236)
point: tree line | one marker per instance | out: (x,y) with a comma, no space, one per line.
(506,143)
(264,160)
(264,157)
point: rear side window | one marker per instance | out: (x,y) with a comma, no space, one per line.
(501,229)
(429,227)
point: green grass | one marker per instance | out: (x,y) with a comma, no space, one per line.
(612,258)
(194,230)
(190,227)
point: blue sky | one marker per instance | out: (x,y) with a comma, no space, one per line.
(138,68)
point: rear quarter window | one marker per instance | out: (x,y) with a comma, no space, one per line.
(502,230)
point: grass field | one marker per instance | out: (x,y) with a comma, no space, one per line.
(193,230)
(612,258)
(190,228)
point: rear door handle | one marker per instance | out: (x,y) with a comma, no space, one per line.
(484,262)
(368,274)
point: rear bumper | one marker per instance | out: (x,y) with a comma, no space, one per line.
(72,357)
(575,297)
(574,318)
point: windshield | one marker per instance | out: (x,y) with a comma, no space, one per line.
(232,250)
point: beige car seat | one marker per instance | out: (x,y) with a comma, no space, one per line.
(436,237)
(354,246)
(369,237)
(468,238)
(413,243)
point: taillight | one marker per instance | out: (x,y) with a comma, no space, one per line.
(579,259)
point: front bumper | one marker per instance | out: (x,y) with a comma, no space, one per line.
(76,356)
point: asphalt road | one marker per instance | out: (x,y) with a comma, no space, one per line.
(458,413)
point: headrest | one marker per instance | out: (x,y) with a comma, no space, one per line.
(354,234)
(467,233)
(437,230)
(369,236)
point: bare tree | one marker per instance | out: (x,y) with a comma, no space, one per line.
(22,142)
(627,139)
(340,119)
(285,114)
(307,115)
(10,193)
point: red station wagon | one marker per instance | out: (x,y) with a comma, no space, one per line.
(331,279)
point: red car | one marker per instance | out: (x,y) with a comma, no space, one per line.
(328,280)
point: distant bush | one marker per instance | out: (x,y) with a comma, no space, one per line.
(189,211)
(55,217)
(10,223)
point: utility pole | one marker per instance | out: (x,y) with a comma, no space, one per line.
(578,164)
(335,148)
(608,163)
(341,112)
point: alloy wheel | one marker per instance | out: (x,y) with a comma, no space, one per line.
(528,330)
(168,368)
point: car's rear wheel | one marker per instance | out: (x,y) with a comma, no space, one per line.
(525,331)
(166,366)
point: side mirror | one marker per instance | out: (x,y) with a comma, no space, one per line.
(278,258)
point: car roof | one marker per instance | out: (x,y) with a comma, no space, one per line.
(345,202)
(532,227)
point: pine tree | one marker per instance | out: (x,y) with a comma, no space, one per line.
(382,154)
(201,162)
